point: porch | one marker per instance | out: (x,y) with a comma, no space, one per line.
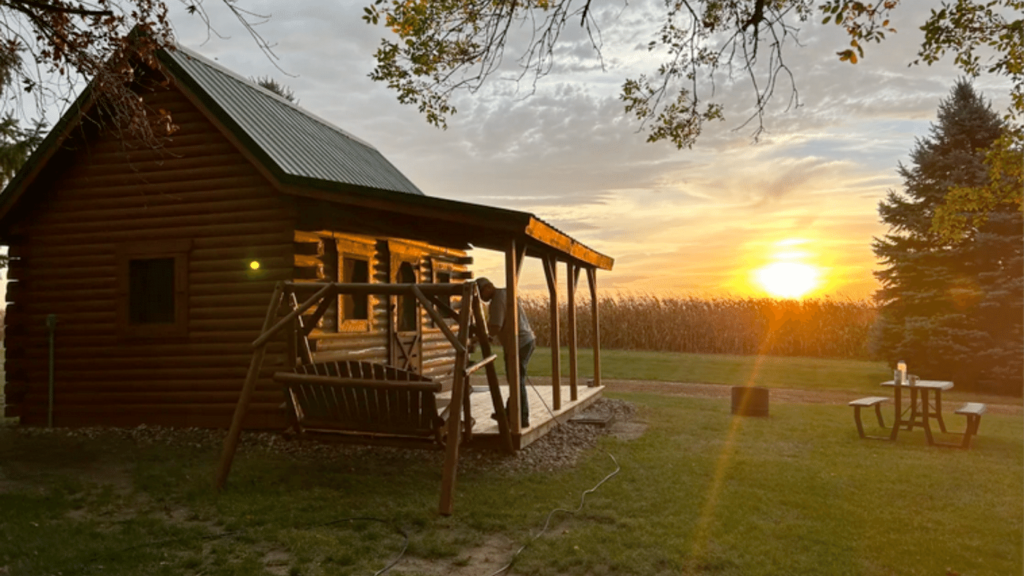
(544,417)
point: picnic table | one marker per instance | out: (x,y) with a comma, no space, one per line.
(921,410)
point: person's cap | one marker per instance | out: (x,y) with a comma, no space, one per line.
(483,282)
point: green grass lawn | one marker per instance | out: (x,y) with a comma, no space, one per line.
(768,371)
(800,373)
(701,492)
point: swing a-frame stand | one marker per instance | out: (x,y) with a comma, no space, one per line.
(373,403)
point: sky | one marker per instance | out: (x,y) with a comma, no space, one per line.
(700,222)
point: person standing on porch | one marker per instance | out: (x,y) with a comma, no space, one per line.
(497,299)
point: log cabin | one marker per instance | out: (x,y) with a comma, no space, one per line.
(140,274)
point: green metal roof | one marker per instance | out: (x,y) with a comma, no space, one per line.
(290,140)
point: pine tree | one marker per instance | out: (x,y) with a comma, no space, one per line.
(16,144)
(952,309)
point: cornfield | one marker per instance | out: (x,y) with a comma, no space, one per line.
(821,328)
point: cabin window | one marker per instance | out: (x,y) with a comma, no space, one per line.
(406,302)
(442,275)
(355,271)
(355,266)
(153,289)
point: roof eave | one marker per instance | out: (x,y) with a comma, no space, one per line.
(504,222)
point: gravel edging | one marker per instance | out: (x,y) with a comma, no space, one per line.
(559,449)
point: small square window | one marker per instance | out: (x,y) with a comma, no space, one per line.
(151,291)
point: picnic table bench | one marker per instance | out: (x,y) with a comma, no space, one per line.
(870,401)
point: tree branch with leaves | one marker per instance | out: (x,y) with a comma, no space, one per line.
(47,46)
(440,48)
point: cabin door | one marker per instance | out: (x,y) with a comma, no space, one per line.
(406,344)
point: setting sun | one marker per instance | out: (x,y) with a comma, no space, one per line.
(787,279)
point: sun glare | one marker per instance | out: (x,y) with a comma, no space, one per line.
(787,279)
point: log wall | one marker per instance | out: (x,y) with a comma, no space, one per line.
(199,188)
(372,343)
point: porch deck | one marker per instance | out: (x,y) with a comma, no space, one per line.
(543,417)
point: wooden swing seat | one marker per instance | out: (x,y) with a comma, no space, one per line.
(362,402)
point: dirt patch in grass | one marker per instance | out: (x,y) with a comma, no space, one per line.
(495,552)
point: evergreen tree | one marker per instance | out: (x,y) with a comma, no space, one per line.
(952,308)
(15,146)
(274,86)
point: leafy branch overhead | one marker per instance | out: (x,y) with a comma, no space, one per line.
(439,48)
(46,45)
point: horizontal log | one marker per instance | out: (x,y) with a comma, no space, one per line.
(249,286)
(333,340)
(45,274)
(436,347)
(293,378)
(165,210)
(238,264)
(142,199)
(303,260)
(84,179)
(64,285)
(153,398)
(167,98)
(108,156)
(136,349)
(104,257)
(75,362)
(375,355)
(240,276)
(231,324)
(193,232)
(199,331)
(171,142)
(259,416)
(166,225)
(274,250)
(308,248)
(143,375)
(312,273)
(220,408)
(229,299)
(307,237)
(66,319)
(79,192)
(228,385)
(228,312)
(63,306)
(147,169)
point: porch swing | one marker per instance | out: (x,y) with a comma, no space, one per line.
(362,402)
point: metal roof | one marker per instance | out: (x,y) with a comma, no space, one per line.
(292,141)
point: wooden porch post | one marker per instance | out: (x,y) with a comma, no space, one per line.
(512,334)
(592,280)
(572,275)
(551,273)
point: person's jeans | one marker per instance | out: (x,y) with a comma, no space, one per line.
(525,351)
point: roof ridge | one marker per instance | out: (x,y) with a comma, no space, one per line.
(189,53)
